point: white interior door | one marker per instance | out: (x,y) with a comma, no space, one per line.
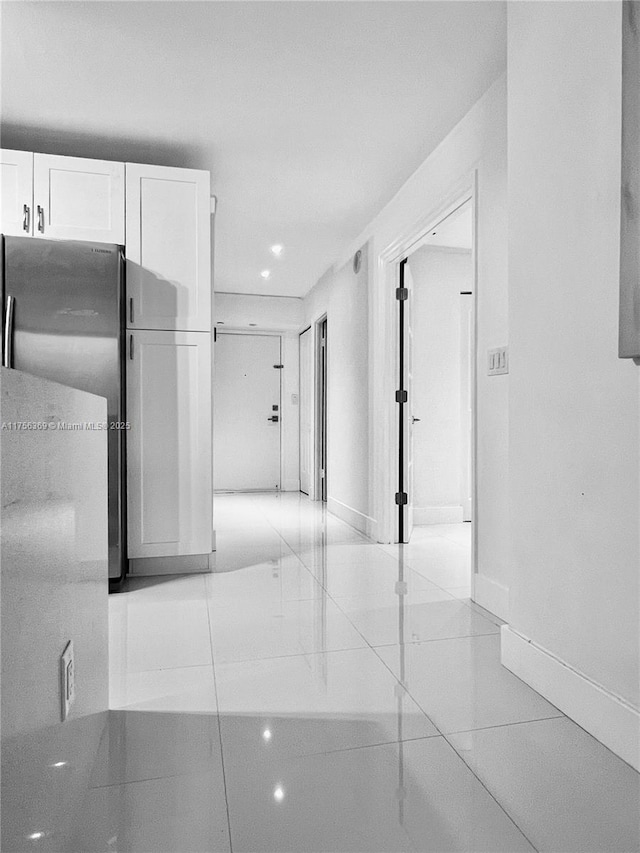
(306,412)
(408,514)
(247,413)
(466,417)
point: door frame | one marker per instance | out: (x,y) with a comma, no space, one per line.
(321,438)
(387,330)
(311,379)
(258,333)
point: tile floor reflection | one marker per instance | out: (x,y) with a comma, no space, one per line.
(320,692)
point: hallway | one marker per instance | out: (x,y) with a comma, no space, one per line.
(321,692)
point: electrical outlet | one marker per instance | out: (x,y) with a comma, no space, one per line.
(498,361)
(67,680)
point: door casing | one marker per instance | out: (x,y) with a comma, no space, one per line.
(387,328)
(321,421)
(306,392)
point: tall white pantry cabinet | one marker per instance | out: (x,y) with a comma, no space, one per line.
(169,368)
(162,217)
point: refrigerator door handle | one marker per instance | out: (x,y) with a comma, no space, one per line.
(7,349)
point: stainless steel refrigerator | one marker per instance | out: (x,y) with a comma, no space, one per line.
(63,319)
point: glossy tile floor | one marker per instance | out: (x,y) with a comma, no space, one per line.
(323,693)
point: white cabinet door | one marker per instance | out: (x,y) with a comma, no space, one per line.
(78,199)
(16,192)
(169,443)
(168,248)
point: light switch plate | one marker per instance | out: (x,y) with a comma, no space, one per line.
(67,680)
(498,361)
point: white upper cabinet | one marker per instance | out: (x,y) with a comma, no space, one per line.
(169,501)
(16,192)
(78,199)
(168,248)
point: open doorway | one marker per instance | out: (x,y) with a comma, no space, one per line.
(313,420)
(436,380)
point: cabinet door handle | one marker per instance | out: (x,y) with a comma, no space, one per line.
(40,219)
(131,347)
(131,309)
(26,218)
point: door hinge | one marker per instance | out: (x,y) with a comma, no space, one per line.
(401,396)
(322,473)
(402,498)
(278,366)
(402,293)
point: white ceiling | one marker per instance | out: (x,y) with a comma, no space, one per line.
(310,115)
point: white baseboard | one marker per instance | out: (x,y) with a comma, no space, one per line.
(437,515)
(291,486)
(186,565)
(610,719)
(352,516)
(491,595)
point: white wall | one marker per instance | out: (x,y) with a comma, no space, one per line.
(439,275)
(343,296)
(478,142)
(630,207)
(272,314)
(574,439)
(238,310)
(290,413)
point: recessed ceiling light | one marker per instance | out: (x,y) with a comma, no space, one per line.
(265,273)
(277,250)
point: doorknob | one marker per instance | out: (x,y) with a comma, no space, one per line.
(414,420)
(274,418)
